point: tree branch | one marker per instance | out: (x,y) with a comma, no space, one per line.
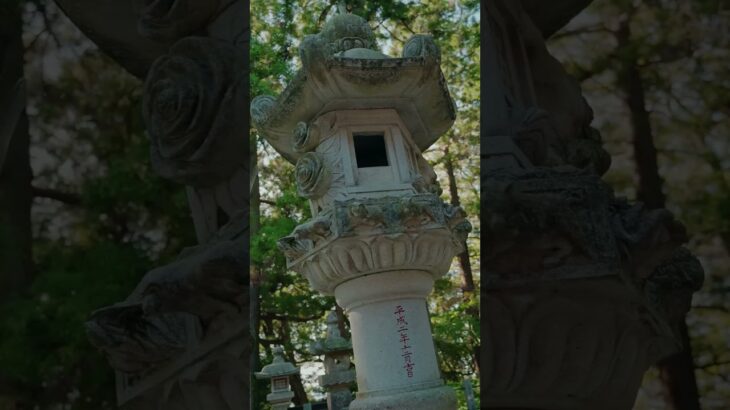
(67,198)
(270,342)
(712,308)
(47,22)
(274,316)
(599,28)
(712,364)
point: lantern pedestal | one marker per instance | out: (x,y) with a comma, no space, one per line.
(391,337)
(380,258)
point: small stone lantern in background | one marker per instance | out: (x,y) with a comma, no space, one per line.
(338,375)
(278,371)
(355,121)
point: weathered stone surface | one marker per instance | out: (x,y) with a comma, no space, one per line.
(112,25)
(306,137)
(551,17)
(423,46)
(543,222)
(312,175)
(532,99)
(136,32)
(359,237)
(172,20)
(193,101)
(181,340)
(568,344)
(434,398)
(183,313)
(563,251)
(391,336)
(583,291)
(214,206)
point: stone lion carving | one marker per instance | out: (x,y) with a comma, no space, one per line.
(171,306)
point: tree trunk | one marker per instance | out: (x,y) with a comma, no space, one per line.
(467,284)
(16,263)
(645,153)
(300,395)
(677,371)
(466,271)
(677,374)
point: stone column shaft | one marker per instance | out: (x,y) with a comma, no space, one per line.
(391,336)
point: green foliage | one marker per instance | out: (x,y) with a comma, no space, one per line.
(42,339)
(456,334)
(461,394)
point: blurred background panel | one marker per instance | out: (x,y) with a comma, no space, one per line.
(83,216)
(656,75)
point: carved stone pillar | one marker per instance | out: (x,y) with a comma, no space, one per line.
(355,121)
(582,290)
(392,338)
(181,340)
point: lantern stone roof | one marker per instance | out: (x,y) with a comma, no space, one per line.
(342,69)
(277,367)
(334,342)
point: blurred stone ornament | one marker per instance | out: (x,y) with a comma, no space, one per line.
(421,45)
(194,97)
(173,19)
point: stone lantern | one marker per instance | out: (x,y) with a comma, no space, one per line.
(355,122)
(278,371)
(338,375)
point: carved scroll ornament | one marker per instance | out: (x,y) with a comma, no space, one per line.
(193,109)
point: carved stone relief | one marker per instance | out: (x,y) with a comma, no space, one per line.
(181,339)
(170,20)
(578,282)
(192,103)
(180,314)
